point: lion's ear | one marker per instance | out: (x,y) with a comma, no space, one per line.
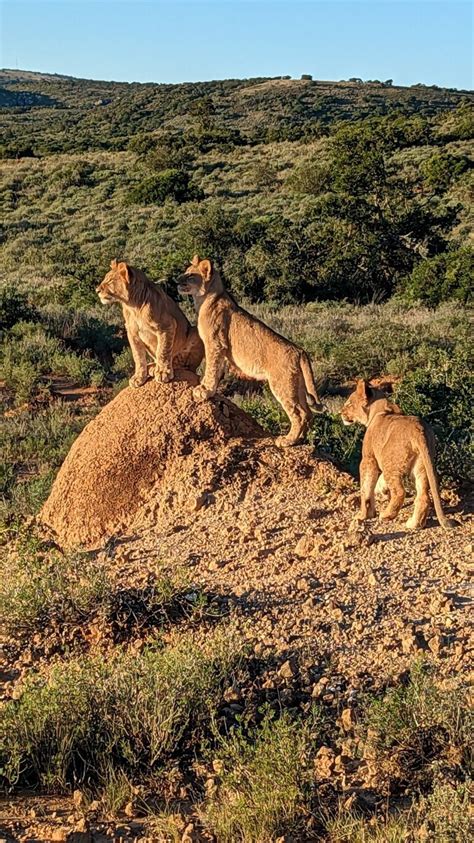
(124,270)
(196,260)
(113,263)
(361,388)
(205,268)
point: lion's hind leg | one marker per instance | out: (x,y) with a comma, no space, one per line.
(397,496)
(422,497)
(298,414)
(369,473)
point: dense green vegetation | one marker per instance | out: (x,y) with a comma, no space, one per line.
(301,190)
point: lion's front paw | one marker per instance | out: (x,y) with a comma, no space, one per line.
(138,380)
(413,523)
(200,393)
(165,374)
(285,442)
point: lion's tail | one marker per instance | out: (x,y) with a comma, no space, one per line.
(309,383)
(427,454)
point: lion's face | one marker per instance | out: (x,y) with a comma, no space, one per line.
(356,408)
(115,285)
(196,278)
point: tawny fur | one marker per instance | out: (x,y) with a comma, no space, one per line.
(154,323)
(233,336)
(395,446)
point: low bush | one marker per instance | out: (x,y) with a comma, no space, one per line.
(168,184)
(38,583)
(442,816)
(439,389)
(262,781)
(30,354)
(418,726)
(126,711)
(14,307)
(440,278)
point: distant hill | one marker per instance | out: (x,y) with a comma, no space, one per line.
(53,113)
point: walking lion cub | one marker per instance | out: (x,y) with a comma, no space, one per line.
(394,446)
(231,334)
(154,324)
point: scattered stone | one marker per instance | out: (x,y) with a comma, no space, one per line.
(347,719)
(287,670)
(324,762)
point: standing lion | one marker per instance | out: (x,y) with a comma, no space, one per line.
(231,334)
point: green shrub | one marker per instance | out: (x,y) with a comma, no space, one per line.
(440,278)
(442,816)
(420,722)
(38,584)
(168,184)
(78,174)
(125,711)
(262,782)
(14,307)
(442,168)
(30,354)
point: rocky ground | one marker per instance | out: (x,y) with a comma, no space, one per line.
(329,609)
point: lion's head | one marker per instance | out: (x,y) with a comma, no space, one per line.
(357,406)
(196,278)
(116,284)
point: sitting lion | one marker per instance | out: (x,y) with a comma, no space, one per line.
(154,323)
(394,446)
(231,334)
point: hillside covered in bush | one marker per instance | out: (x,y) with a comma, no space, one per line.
(302,190)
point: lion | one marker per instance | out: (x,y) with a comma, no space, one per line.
(232,335)
(154,324)
(394,446)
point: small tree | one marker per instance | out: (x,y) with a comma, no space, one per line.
(172,184)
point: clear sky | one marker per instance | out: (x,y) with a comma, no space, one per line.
(426,41)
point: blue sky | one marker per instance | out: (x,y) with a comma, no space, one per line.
(427,41)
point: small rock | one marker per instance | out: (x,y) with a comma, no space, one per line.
(309,545)
(302,584)
(215,564)
(324,762)
(232,694)
(81,825)
(129,809)
(347,719)
(435,644)
(197,503)
(287,670)
(308,605)
(188,834)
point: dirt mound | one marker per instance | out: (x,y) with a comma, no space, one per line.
(152,446)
